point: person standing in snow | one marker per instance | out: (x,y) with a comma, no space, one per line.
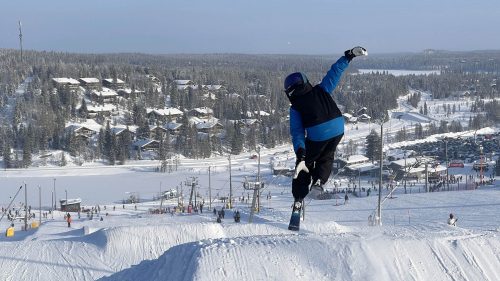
(68,219)
(452,220)
(316,126)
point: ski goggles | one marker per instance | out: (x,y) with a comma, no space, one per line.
(294,80)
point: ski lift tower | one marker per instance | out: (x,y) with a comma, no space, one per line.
(256,186)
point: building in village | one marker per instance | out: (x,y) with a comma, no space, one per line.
(90,84)
(163,115)
(202,112)
(146,145)
(64,84)
(185,84)
(114,84)
(121,131)
(105,95)
(72,205)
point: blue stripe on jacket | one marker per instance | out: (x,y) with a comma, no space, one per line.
(328,129)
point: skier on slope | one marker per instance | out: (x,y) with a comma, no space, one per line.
(316,126)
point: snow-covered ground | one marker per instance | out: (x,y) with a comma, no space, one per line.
(334,243)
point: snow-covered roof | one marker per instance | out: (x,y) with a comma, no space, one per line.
(355,159)
(106,92)
(143,142)
(363,167)
(183,87)
(182,82)
(76,127)
(89,80)
(112,81)
(89,123)
(65,80)
(206,123)
(421,169)
(257,113)
(100,108)
(173,125)
(347,115)
(364,116)
(70,201)
(129,91)
(203,110)
(411,161)
(261,113)
(118,130)
(167,111)
(154,127)
(212,87)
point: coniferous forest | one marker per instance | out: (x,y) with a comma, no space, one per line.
(242,95)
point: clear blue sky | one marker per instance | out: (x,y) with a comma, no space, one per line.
(251,26)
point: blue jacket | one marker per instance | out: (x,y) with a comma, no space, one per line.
(315,115)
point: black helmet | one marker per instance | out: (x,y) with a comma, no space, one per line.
(296,81)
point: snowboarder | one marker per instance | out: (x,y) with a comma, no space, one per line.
(452,220)
(346,199)
(237,216)
(314,113)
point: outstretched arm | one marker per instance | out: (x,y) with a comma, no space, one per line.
(333,75)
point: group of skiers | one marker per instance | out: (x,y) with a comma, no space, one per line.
(221,214)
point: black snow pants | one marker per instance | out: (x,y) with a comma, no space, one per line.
(319,161)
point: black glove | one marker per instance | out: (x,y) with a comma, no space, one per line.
(355,52)
(301,162)
(301,154)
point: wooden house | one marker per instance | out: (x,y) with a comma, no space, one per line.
(65,84)
(163,115)
(80,130)
(90,83)
(202,112)
(120,131)
(157,132)
(114,84)
(105,95)
(72,205)
(146,145)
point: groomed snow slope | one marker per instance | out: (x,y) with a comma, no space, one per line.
(442,253)
(334,243)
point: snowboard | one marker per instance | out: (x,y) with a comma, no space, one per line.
(294,224)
